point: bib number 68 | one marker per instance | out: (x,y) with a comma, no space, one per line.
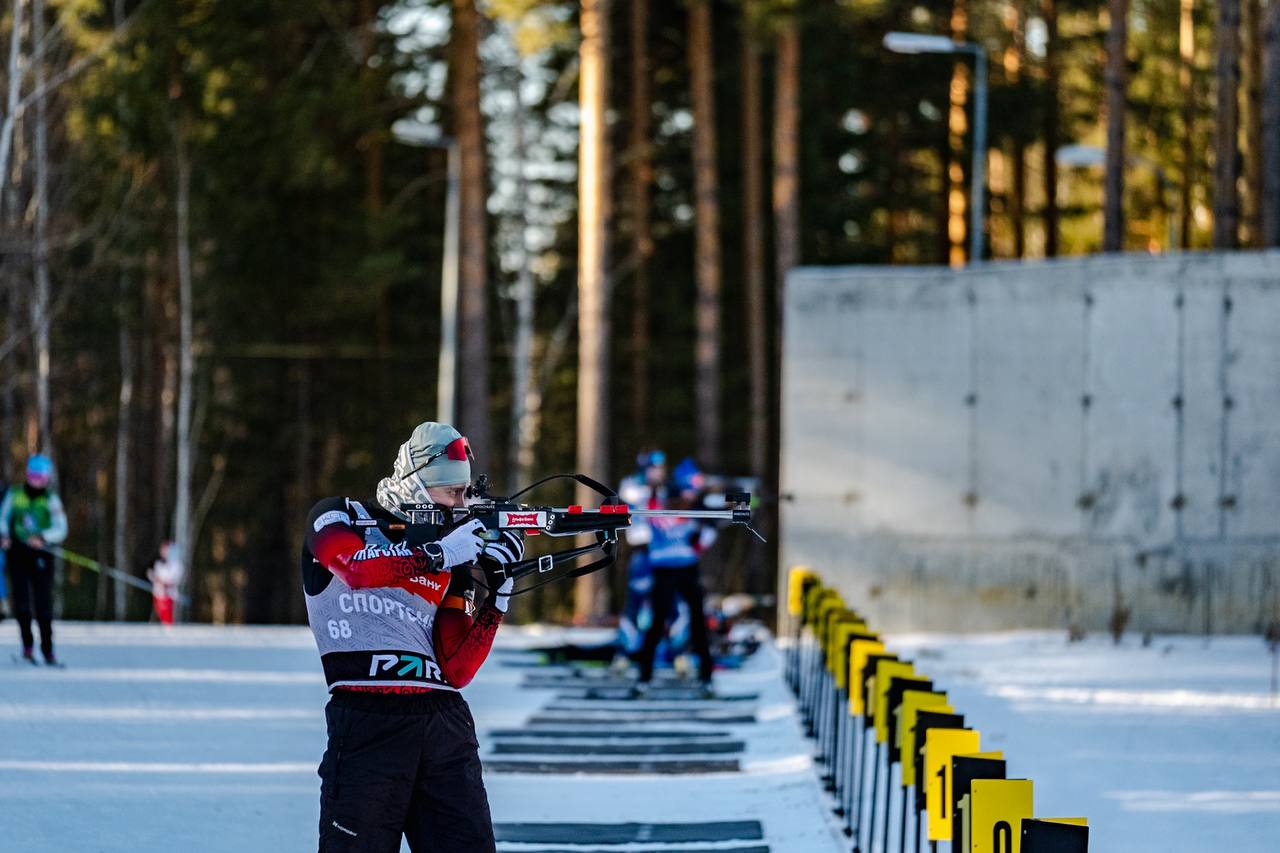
(340,628)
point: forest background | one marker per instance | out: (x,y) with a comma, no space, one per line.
(222,237)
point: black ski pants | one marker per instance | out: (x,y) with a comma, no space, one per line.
(667,583)
(402,765)
(31,588)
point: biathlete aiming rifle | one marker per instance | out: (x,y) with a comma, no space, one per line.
(429,521)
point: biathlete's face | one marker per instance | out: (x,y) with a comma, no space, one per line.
(454,496)
(655,475)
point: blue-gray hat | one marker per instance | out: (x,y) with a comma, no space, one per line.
(435,455)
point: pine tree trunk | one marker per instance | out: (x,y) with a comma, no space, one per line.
(186,370)
(520,447)
(473,296)
(590,593)
(372,145)
(786,162)
(786,233)
(1049,10)
(641,146)
(1015,59)
(1271,126)
(957,129)
(1252,78)
(706,235)
(120,544)
(13,76)
(1186,81)
(124,420)
(40,298)
(1117,88)
(753,246)
(1226,196)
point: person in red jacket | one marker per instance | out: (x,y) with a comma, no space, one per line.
(399,634)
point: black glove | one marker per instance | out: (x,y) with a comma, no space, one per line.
(496,556)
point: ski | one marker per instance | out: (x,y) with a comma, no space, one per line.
(19,659)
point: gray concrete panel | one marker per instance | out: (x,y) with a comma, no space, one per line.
(1039,444)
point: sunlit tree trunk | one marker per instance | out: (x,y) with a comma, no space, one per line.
(520,446)
(753,261)
(1271,126)
(957,128)
(1049,132)
(1186,82)
(1252,80)
(1226,195)
(473,295)
(786,159)
(1015,57)
(1117,85)
(786,227)
(590,594)
(706,235)
(641,151)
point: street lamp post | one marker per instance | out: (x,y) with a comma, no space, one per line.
(410,132)
(913,43)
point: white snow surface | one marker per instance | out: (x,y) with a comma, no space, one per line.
(202,738)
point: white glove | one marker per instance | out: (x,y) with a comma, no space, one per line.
(502,596)
(463,545)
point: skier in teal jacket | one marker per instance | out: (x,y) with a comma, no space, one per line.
(32,521)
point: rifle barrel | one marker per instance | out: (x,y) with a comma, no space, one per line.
(725,514)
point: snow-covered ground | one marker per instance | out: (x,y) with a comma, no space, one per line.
(207,739)
(1174,747)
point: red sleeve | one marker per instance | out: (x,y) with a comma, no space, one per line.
(462,643)
(340,548)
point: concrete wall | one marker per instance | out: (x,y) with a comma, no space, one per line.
(1031,444)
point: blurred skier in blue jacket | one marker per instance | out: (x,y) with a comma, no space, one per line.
(645,489)
(675,548)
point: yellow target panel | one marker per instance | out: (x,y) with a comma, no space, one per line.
(859,651)
(886,671)
(795,588)
(836,620)
(914,701)
(997,809)
(844,635)
(939,747)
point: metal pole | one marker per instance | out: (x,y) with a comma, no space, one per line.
(446,382)
(902,825)
(915,848)
(837,787)
(977,191)
(888,799)
(850,792)
(859,792)
(875,797)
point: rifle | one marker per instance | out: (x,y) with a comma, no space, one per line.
(429,521)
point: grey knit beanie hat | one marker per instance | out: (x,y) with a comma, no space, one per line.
(426,459)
